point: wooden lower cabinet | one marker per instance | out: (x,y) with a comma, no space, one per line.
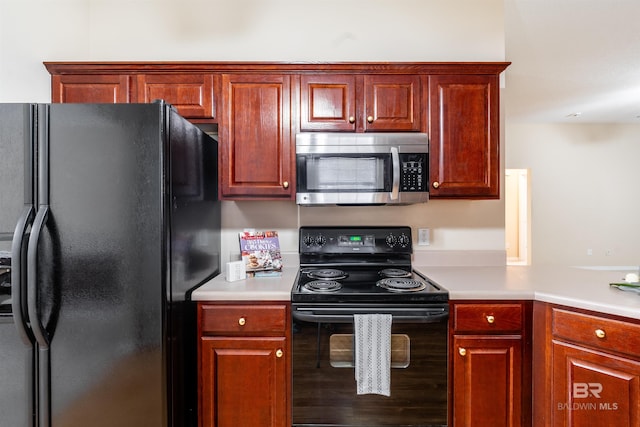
(592,388)
(487,380)
(244,365)
(490,364)
(244,382)
(587,369)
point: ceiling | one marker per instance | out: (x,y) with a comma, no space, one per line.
(574,61)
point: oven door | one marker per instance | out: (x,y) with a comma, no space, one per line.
(324,386)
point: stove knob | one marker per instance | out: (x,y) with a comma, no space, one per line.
(321,240)
(403,240)
(308,240)
(391,240)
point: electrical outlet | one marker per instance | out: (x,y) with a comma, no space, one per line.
(424,237)
(608,252)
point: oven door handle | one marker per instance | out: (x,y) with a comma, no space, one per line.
(345,315)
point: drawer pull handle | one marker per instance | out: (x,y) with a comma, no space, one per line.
(600,333)
(462,351)
(279,353)
(490,319)
(242,321)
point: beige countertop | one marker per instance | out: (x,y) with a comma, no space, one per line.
(572,286)
(251,289)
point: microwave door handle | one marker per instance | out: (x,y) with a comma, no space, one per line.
(395,187)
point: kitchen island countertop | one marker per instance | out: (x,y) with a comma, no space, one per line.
(571,286)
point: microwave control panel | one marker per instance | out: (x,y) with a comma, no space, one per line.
(413,173)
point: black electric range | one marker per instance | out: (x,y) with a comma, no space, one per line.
(348,272)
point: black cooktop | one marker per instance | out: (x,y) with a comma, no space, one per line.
(360,265)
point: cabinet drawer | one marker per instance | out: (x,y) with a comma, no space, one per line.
(243,319)
(487,318)
(598,332)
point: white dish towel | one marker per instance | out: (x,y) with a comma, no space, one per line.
(373,353)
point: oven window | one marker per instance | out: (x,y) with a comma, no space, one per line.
(348,172)
(341,351)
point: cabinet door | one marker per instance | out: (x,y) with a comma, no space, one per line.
(191,94)
(243,382)
(93,88)
(487,377)
(594,389)
(328,102)
(339,102)
(255,137)
(392,103)
(464,132)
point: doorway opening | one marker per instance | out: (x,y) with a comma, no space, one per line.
(517,217)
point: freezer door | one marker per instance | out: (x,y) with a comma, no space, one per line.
(15,371)
(16,349)
(100,266)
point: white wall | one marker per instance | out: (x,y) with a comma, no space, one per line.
(584,188)
(266,30)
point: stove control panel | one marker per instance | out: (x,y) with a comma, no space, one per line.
(371,240)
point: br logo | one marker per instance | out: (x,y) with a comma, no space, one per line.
(584,390)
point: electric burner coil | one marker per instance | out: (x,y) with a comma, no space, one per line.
(322,286)
(394,273)
(326,274)
(401,285)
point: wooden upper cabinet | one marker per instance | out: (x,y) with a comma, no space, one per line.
(346,102)
(258,106)
(256,150)
(91,88)
(464,133)
(191,94)
(328,102)
(392,103)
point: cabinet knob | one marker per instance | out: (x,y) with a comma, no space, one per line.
(279,353)
(435,184)
(490,319)
(242,321)
(462,351)
(369,119)
(285,184)
(352,119)
(600,333)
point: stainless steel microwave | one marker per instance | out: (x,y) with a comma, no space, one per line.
(362,168)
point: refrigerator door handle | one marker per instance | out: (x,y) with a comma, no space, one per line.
(39,330)
(18,281)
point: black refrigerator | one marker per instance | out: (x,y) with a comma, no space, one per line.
(109,218)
